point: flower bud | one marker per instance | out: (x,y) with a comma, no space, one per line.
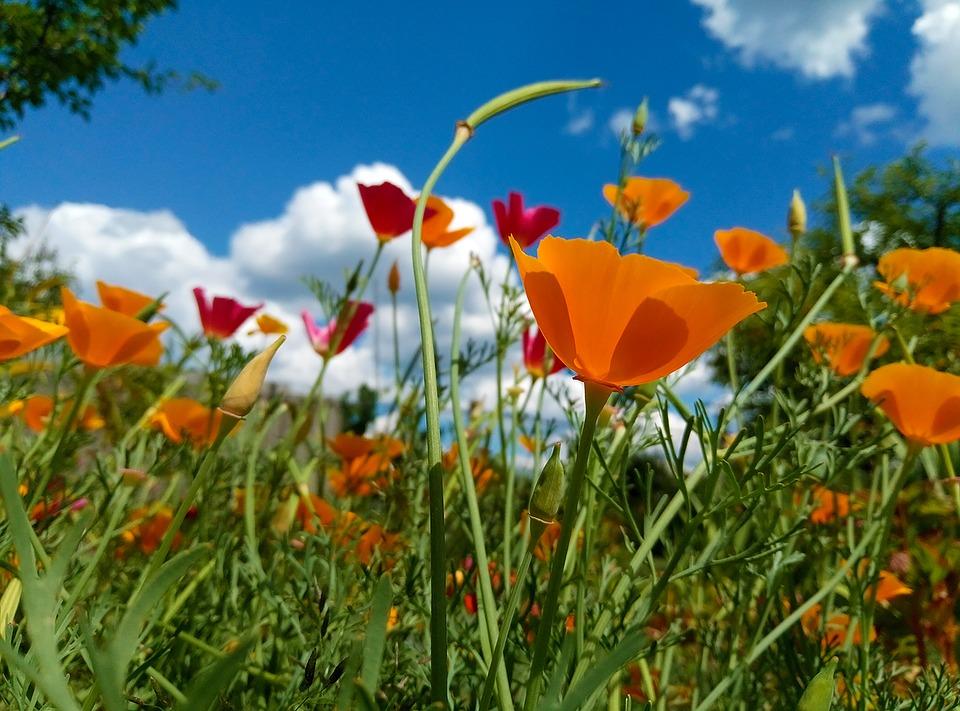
(549,489)
(818,696)
(393,279)
(797,216)
(640,118)
(242,394)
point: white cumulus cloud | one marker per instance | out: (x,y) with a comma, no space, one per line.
(934,75)
(818,38)
(322,231)
(698,106)
(867,123)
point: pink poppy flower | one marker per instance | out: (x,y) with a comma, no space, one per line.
(321,336)
(526,225)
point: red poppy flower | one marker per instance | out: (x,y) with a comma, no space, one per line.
(526,225)
(223,316)
(322,336)
(538,360)
(389,209)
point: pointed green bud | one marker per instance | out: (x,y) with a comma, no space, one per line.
(818,696)
(640,118)
(549,489)
(243,393)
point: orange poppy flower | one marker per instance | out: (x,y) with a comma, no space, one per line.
(318,510)
(20,334)
(483,473)
(126,301)
(646,202)
(183,419)
(148,530)
(624,320)
(35,413)
(923,403)
(835,629)
(829,505)
(890,587)
(924,280)
(366,463)
(749,252)
(374,539)
(436,230)
(102,338)
(843,346)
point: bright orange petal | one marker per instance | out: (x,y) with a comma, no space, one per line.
(674,326)
(749,252)
(922,403)
(126,301)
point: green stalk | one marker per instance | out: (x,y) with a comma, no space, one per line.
(537,528)
(464,131)
(199,479)
(488,603)
(595,397)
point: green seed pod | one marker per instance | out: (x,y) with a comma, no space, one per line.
(797,216)
(548,492)
(818,696)
(245,389)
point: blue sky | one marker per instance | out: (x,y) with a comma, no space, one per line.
(309,90)
(247,189)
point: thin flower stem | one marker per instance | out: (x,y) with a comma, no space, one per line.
(203,472)
(595,397)
(732,370)
(488,603)
(537,528)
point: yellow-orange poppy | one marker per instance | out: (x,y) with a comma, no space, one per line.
(123,300)
(317,509)
(923,403)
(480,468)
(924,280)
(365,463)
(35,412)
(101,338)
(843,346)
(624,320)
(183,419)
(828,505)
(20,335)
(646,202)
(269,326)
(436,229)
(748,251)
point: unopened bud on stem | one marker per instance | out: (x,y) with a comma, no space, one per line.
(393,279)
(549,489)
(797,216)
(640,118)
(243,393)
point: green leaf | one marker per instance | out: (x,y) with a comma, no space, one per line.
(376,638)
(206,688)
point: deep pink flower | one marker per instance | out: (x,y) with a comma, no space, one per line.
(321,336)
(535,355)
(526,225)
(222,317)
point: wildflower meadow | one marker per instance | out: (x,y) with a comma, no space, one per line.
(180,530)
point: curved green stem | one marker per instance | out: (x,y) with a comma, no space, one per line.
(595,397)
(465,129)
